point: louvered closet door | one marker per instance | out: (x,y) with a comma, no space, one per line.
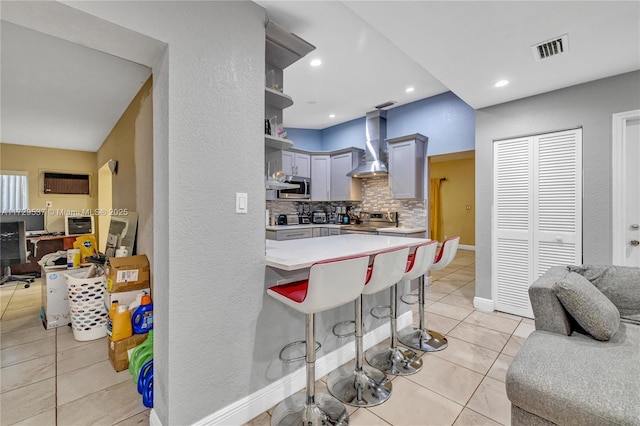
(558,210)
(537,218)
(512,225)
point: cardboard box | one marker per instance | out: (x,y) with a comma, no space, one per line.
(120,351)
(127,273)
(55,302)
(123,297)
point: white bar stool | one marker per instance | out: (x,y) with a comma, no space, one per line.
(330,284)
(421,338)
(393,359)
(366,386)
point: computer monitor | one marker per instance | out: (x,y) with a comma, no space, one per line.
(13,243)
(33,219)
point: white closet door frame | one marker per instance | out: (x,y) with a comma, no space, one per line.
(551,228)
(618,183)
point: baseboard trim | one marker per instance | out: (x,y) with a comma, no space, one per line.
(258,402)
(467,247)
(484,305)
(154,420)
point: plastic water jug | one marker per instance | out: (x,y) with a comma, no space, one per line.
(142,318)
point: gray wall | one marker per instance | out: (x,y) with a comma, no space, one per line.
(589,105)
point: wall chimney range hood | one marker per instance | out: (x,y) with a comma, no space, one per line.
(375,157)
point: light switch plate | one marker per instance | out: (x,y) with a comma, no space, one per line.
(241,202)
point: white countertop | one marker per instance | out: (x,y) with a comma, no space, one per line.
(306,226)
(402,230)
(300,254)
(398,230)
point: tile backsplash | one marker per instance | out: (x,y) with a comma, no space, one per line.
(375,197)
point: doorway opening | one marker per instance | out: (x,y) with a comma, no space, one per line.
(452,197)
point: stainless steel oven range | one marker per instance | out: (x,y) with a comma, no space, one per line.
(370,222)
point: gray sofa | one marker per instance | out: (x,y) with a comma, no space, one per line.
(562,374)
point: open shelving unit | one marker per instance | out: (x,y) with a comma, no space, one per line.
(282,49)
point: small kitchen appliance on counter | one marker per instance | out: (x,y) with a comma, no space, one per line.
(293,219)
(319,216)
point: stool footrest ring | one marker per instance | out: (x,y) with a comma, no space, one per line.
(340,324)
(298,358)
(415,302)
(381,316)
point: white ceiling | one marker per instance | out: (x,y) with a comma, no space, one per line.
(59,94)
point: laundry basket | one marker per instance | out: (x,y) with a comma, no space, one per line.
(86,306)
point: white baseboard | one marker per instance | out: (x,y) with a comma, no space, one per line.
(154,420)
(484,305)
(260,401)
(467,247)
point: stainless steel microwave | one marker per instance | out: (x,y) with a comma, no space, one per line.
(303,191)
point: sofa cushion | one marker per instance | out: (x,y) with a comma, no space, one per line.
(621,285)
(576,380)
(596,314)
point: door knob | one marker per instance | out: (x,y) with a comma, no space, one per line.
(635,226)
(634,242)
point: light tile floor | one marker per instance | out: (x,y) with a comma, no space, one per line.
(462,385)
(49,378)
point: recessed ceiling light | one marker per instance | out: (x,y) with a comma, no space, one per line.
(332,116)
(501,83)
(409,89)
(316,62)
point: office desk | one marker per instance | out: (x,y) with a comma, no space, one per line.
(39,246)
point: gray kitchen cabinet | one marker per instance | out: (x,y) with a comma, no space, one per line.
(292,163)
(407,174)
(343,187)
(320,177)
(293,234)
(320,232)
(399,234)
(333,231)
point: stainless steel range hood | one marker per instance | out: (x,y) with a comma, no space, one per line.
(375,156)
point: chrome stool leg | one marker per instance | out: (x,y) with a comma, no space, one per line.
(308,408)
(363,386)
(393,359)
(420,338)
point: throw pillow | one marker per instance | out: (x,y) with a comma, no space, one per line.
(596,314)
(620,284)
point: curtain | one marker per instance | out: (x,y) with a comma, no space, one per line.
(14,191)
(434,209)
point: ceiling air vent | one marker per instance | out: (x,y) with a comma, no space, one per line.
(549,48)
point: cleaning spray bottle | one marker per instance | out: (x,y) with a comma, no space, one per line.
(142,318)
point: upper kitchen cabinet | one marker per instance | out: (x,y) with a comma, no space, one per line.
(292,163)
(320,177)
(343,187)
(282,49)
(407,155)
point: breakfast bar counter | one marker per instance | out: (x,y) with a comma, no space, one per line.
(293,255)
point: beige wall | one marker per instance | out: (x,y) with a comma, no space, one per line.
(130,144)
(457,192)
(36,161)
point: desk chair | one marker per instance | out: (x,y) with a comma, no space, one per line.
(13,251)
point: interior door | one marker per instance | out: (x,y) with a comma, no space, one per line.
(626,188)
(537,213)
